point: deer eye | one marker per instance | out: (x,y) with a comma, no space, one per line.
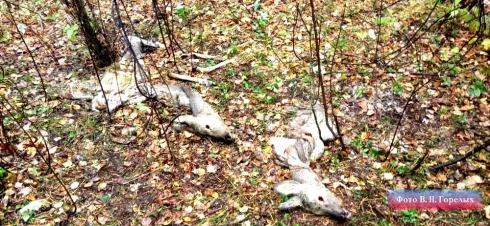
(207,127)
(320,198)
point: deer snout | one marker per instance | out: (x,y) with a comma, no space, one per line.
(229,138)
(342,215)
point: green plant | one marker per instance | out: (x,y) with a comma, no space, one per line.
(459,120)
(71,31)
(27,211)
(253,176)
(72,135)
(360,92)
(384,222)
(247,84)
(365,148)
(468,16)
(477,88)
(361,194)
(183,12)
(443,110)
(260,23)
(233,49)
(357,142)
(342,43)
(53,17)
(230,71)
(105,198)
(453,68)
(409,216)
(224,90)
(280,223)
(274,86)
(306,78)
(486,44)
(284,198)
(210,63)
(403,169)
(3,173)
(335,159)
(4,36)
(385,21)
(270,99)
(157,212)
(446,81)
(397,87)
(435,39)
(373,152)
(33,171)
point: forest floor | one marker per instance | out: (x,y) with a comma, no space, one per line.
(120,170)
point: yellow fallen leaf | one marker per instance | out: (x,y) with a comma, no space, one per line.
(467,107)
(75,107)
(487,212)
(102,186)
(187,219)
(199,171)
(153,133)
(89,184)
(267,149)
(353,179)
(68,163)
(364,136)
(441,177)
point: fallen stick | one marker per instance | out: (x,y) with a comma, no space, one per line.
(474,151)
(212,68)
(202,56)
(203,80)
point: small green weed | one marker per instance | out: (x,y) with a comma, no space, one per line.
(409,216)
(477,88)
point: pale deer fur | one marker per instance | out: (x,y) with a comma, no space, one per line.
(302,144)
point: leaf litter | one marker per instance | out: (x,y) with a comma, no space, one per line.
(114,181)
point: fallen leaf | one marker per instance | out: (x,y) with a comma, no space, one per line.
(441,177)
(487,212)
(101,186)
(388,176)
(199,172)
(243,209)
(74,185)
(146,221)
(102,220)
(211,169)
(467,108)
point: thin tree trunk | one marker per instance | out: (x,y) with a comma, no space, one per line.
(103,53)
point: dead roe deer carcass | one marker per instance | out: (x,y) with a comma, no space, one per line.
(302,144)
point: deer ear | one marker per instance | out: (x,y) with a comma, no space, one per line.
(179,126)
(293,202)
(289,187)
(184,122)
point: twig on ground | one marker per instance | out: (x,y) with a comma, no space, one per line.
(474,151)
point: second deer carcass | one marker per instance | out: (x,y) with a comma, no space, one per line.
(302,144)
